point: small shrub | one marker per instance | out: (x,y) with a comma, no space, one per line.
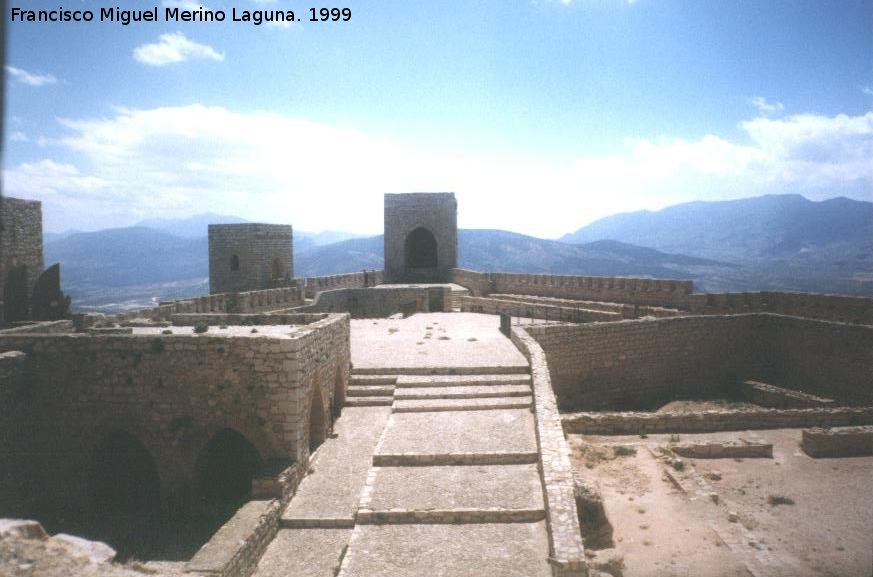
(674,438)
(222,327)
(472,339)
(774,500)
(623,451)
(254,331)
(166,332)
(444,338)
(201,327)
(392,330)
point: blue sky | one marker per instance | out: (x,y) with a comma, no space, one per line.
(541,115)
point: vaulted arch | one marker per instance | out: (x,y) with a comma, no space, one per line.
(421,249)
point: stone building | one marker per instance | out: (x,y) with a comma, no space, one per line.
(421,237)
(249,257)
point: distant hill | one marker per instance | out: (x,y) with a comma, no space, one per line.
(498,250)
(782,241)
(191,226)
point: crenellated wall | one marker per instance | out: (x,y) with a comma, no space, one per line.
(844,309)
(381,302)
(634,364)
(314,285)
(534,310)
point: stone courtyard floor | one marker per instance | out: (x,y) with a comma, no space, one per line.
(439,477)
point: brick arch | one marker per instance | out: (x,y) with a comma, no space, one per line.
(224,470)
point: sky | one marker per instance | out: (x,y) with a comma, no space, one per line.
(541,115)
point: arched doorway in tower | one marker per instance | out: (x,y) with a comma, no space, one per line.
(126,494)
(224,473)
(421,249)
(317,425)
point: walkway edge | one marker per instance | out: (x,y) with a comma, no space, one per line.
(565,538)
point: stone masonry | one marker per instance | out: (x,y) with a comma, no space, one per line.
(421,237)
(20,252)
(249,257)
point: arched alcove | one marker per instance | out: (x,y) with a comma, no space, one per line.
(421,249)
(317,429)
(234,263)
(224,472)
(277,271)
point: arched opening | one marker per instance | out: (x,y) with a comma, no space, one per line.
(234,263)
(276,269)
(317,431)
(224,473)
(421,249)
(339,394)
(15,297)
(126,494)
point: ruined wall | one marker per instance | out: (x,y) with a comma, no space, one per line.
(534,310)
(173,393)
(20,241)
(636,363)
(844,309)
(249,257)
(632,364)
(435,212)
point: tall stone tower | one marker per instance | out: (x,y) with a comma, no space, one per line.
(20,255)
(421,237)
(248,257)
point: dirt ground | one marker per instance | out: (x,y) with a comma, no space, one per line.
(683,527)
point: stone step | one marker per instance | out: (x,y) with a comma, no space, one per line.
(369,401)
(464,404)
(451,516)
(370,391)
(316,523)
(303,552)
(418,370)
(372,379)
(412,381)
(463,392)
(448,458)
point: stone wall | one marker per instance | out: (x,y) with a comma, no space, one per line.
(20,243)
(534,310)
(363,279)
(845,309)
(638,363)
(249,257)
(632,423)
(15,435)
(381,302)
(173,394)
(850,442)
(437,213)
(668,293)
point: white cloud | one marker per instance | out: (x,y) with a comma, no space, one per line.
(18,136)
(29,78)
(174,48)
(765,106)
(182,160)
(867,90)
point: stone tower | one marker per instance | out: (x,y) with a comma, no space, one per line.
(20,255)
(248,257)
(421,237)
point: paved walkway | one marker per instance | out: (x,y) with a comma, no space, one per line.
(444,481)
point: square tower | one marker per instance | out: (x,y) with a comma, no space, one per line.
(421,237)
(20,255)
(249,257)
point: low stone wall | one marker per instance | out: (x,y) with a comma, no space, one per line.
(381,302)
(626,311)
(768,395)
(852,442)
(632,423)
(45,327)
(317,284)
(724,450)
(566,549)
(530,310)
(253,319)
(15,435)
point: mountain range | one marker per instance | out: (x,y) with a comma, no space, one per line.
(781,242)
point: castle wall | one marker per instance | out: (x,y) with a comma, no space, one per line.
(381,302)
(20,240)
(633,364)
(844,309)
(435,212)
(316,284)
(264,254)
(173,393)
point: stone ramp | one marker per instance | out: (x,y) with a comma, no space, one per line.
(304,552)
(328,496)
(452,494)
(418,550)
